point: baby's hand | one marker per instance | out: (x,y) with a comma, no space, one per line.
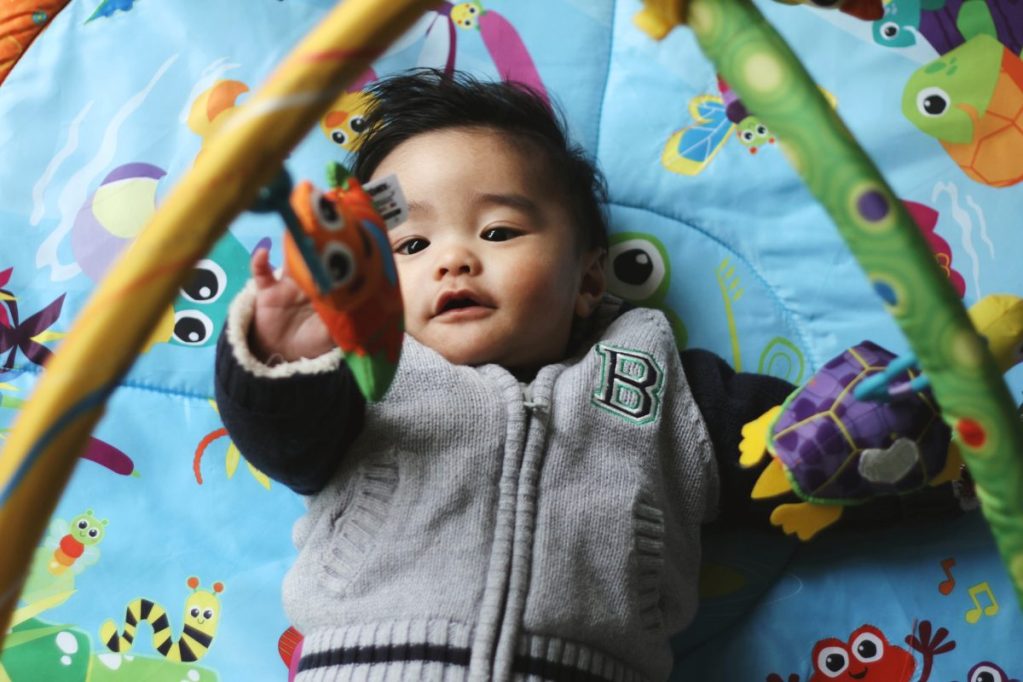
(285,326)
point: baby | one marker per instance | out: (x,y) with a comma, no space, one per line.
(527,498)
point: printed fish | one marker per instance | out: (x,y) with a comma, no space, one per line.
(341,257)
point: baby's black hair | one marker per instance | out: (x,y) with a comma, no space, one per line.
(426,100)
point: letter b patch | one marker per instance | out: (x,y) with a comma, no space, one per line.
(630,384)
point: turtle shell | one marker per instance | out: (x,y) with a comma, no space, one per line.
(840,450)
(995,155)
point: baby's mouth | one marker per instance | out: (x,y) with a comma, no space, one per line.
(459,304)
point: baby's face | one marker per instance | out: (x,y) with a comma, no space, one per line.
(489,267)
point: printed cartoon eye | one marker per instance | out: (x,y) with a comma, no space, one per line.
(889,29)
(987,672)
(83,524)
(761,130)
(326,212)
(868,647)
(93,532)
(192,328)
(339,262)
(637,269)
(207,614)
(205,283)
(194,612)
(358,124)
(472,9)
(411,246)
(832,661)
(933,101)
(339,137)
(747,135)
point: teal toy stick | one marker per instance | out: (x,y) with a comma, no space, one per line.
(275,197)
(880,388)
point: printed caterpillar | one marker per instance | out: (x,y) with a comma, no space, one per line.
(202,615)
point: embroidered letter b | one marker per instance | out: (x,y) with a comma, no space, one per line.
(630,384)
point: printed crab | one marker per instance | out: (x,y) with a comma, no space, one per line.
(833,450)
(868,654)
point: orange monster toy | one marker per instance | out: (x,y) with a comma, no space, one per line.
(337,250)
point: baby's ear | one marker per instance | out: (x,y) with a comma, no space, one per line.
(592,284)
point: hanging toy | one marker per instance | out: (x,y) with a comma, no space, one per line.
(336,249)
(833,449)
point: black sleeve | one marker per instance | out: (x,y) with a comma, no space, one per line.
(294,429)
(728,400)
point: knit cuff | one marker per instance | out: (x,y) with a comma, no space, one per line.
(253,385)
(239,321)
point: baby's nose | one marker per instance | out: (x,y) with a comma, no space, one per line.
(457,260)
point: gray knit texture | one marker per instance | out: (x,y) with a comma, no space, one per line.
(465,518)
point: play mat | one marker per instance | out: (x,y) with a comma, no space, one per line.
(104,104)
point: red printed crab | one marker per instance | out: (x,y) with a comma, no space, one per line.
(868,655)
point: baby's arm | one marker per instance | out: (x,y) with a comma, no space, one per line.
(727,400)
(288,400)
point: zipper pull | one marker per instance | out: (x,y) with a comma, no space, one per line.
(527,399)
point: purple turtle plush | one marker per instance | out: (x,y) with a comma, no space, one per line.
(833,450)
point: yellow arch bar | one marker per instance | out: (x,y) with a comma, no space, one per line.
(68,400)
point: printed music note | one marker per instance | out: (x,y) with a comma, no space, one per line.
(946,586)
(973,615)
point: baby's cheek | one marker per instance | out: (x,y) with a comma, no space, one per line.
(412,325)
(407,284)
(540,284)
(405,275)
(411,299)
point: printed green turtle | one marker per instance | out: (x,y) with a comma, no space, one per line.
(834,450)
(971,101)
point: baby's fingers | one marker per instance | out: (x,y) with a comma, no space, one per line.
(262,273)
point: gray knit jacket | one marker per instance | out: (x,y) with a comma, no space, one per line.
(479,529)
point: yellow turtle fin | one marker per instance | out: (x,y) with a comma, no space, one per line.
(753,445)
(953,468)
(772,482)
(805,519)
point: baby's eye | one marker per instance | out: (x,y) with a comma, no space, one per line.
(411,246)
(499,234)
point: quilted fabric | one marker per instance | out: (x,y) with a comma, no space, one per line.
(108,102)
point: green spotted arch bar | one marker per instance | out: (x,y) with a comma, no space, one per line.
(975,401)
